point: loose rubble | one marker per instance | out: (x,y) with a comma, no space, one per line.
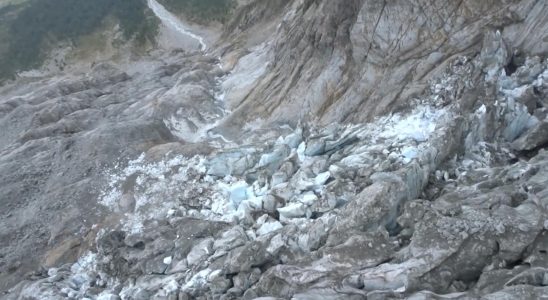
(447,200)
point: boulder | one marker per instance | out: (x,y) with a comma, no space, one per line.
(534,138)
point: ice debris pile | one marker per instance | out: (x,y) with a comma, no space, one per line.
(447,200)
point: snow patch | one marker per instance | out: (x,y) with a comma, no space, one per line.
(418,125)
(173,22)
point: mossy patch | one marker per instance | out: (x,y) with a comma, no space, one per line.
(31,26)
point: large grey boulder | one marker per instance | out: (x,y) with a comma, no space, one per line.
(534,138)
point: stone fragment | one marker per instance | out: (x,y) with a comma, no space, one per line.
(532,139)
(200,252)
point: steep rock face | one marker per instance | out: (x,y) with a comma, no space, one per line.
(354,60)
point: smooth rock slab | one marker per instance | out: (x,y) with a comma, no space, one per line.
(244,258)
(200,252)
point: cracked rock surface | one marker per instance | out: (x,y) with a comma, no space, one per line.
(136,185)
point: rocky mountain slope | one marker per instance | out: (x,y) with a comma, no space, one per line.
(314,150)
(354,60)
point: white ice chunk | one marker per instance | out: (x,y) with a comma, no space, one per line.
(293,210)
(300,151)
(409,153)
(238,193)
(417,126)
(269,227)
(293,140)
(322,178)
(309,198)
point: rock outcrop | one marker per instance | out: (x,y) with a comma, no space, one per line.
(369,150)
(352,61)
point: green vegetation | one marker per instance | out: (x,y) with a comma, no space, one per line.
(30,27)
(201,11)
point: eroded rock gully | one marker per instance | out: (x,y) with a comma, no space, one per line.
(443,198)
